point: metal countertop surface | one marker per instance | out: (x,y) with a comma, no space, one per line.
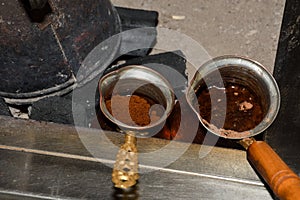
(48,161)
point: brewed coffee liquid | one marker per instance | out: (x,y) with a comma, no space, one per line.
(242,109)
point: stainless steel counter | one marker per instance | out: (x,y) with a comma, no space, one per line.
(41,160)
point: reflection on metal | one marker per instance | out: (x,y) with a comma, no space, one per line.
(246,142)
(168,170)
(7,194)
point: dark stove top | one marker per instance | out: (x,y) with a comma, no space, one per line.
(283,135)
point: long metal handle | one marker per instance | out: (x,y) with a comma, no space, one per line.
(125,172)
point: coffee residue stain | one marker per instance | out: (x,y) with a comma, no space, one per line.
(243,109)
(134,110)
(226,133)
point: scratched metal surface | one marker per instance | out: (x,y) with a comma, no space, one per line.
(49,160)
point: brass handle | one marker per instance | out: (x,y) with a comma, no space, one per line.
(125,172)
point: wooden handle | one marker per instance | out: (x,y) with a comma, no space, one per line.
(281,179)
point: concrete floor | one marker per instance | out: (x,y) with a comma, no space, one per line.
(239,27)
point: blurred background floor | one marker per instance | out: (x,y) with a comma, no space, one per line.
(241,27)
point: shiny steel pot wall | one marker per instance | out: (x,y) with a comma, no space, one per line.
(140,80)
(243,71)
